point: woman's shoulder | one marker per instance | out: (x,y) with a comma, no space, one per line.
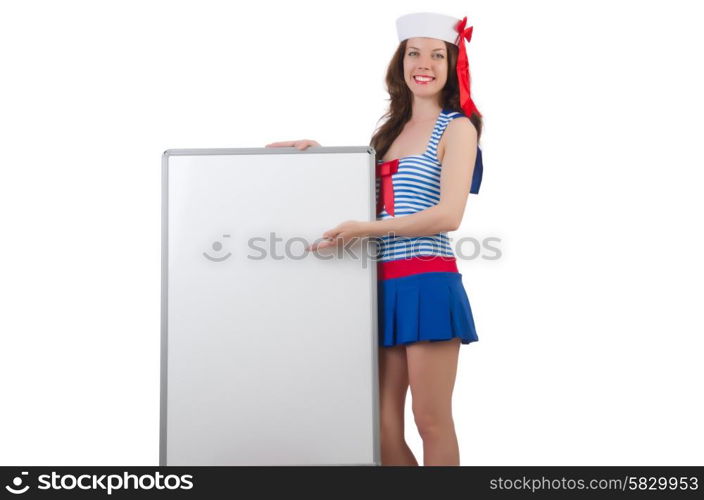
(460,125)
(457,120)
(459,129)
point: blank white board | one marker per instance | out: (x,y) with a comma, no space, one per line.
(268,353)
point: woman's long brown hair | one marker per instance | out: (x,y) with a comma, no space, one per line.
(401,99)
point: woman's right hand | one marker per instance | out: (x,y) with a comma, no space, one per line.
(300,144)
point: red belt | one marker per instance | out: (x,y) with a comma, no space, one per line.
(415,265)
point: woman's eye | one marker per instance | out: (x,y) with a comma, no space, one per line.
(414,52)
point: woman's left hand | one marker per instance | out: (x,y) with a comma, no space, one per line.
(341,234)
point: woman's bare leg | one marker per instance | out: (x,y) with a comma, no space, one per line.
(393,386)
(432,367)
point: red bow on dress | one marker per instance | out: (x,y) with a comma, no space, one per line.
(466,101)
(386,190)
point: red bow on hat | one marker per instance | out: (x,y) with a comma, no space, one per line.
(386,190)
(466,101)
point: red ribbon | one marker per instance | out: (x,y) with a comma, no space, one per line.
(386,190)
(466,101)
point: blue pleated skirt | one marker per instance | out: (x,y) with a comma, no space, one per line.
(429,306)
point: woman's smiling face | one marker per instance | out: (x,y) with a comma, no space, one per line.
(425,57)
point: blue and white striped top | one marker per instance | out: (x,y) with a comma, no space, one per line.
(416,186)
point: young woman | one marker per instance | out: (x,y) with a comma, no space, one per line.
(428,162)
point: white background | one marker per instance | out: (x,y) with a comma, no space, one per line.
(590,323)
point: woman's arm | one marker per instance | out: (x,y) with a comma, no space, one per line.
(455,178)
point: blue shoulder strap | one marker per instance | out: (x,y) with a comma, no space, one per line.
(477,174)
